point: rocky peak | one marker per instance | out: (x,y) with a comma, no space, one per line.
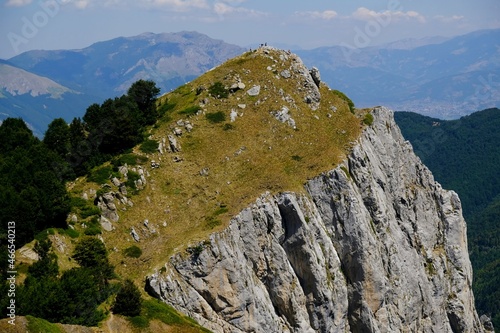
(375,245)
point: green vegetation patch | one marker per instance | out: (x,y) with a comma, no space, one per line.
(218,90)
(139,321)
(149,146)
(228,127)
(72,233)
(216,117)
(154,309)
(133,251)
(102,175)
(368,119)
(190,110)
(84,208)
(93,227)
(166,107)
(42,325)
(129,159)
(343,96)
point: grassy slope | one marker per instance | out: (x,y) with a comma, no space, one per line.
(245,158)
(275,158)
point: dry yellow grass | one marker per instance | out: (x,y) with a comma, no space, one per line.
(254,154)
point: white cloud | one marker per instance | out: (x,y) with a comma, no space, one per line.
(222,9)
(177,5)
(449,19)
(233,1)
(81,4)
(18,3)
(365,14)
(325,15)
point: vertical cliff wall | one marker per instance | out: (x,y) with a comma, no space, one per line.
(375,245)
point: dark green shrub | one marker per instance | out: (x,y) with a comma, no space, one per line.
(93,231)
(164,108)
(91,253)
(149,146)
(131,177)
(78,202)
(128,300)
(221,210)
(212,222)
(102,175)
(89,210)
(129,159)
(190,110)
(195,251)
(72,233)
(368,119)
(216,117)
(139,321)
(228,127)
(218,90)
(345,98)
(133,251)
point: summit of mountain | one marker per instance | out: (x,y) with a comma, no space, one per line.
(170,59)
(268,204)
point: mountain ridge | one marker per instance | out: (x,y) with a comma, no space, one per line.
(403,78)
(262,201)
(428,80)
(322,262)
(106,69)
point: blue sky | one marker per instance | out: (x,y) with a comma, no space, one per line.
(70,24)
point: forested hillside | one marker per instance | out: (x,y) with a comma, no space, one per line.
(81,287)
(464,155)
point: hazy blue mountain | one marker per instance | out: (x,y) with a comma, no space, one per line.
(107,69)
(36,99)
(444,79)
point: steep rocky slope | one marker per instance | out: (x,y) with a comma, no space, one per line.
(231,236)
(375,245)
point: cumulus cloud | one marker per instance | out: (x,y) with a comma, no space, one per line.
(365,14)
(221,9)
(81,4)
(18,3)
(449,19)
(324,15)
(177,5)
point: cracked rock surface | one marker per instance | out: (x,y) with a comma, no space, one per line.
(375,245)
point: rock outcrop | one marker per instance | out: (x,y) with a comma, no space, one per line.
(375,245)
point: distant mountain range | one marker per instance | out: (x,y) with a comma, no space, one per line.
(438,77)
(443,78)
(43,85)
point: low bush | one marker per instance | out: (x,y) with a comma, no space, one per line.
(216,117)
(190,110)
(368,119)
(149,146)
(133,251)
(101,175)
(218,90)
(129,159)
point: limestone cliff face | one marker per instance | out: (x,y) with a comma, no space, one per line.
(375,245)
